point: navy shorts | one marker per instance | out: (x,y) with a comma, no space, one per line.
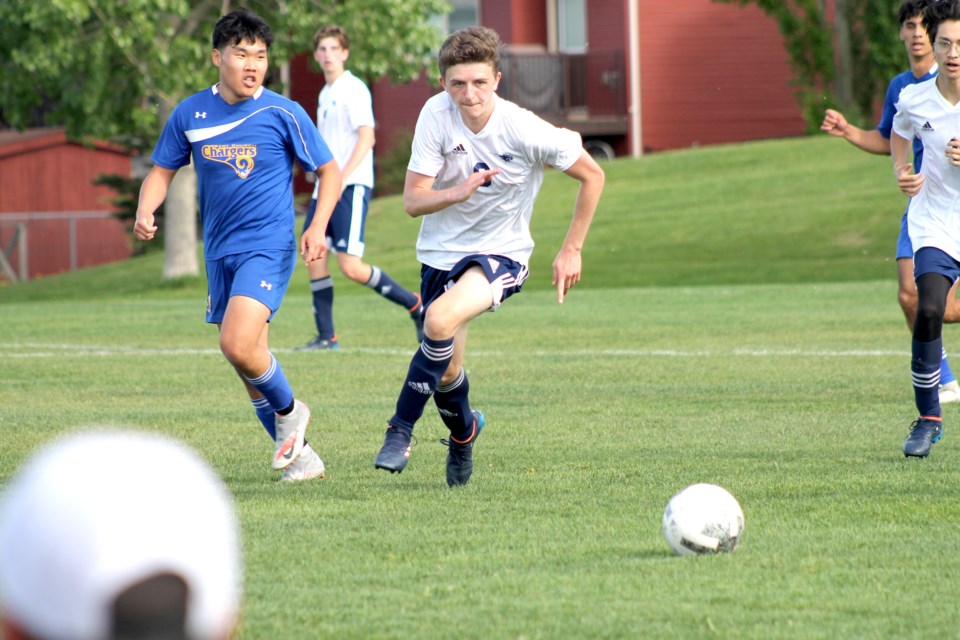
(347,222)
(904,246)
(261,275)
(933,260)
(506,277)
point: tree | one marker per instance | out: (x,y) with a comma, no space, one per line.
(114,69)
(846,65)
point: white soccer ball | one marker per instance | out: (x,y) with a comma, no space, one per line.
(703,518)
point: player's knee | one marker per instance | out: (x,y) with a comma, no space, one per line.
(907,300)
(438,325)
(930,309)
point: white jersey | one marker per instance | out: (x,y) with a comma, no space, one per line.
(496,218)
(933,215)
(343,107)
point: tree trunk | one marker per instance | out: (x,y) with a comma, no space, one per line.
(843,84)
(180,218)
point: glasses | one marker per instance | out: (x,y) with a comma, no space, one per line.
(945,46)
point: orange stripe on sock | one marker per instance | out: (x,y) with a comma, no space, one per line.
(414,307)
(934,418)
(473,432)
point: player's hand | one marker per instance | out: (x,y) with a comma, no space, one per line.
(145,229)
(834,123)
(313,245)
(566,272)
(953,151)
(476,180)
(908,181)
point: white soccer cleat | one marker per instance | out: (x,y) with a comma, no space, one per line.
(306,467)
(949,392)
(291,429)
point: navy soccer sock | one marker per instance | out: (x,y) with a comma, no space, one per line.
(389,289)
(454,407)
(925,370)
(426,367)
(322,290)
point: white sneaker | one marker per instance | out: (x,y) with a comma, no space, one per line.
(949,392)
(307,466)
(290,431)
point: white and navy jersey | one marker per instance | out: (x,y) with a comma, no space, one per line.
(495,220)
(343,107)
(933,214)
(243,155)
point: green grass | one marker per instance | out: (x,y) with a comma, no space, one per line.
(689,354)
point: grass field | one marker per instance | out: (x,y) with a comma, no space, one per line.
(751,340)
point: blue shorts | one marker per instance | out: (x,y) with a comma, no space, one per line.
(261,275)
(506,277)
(347,222)
(933,260)
(904,246)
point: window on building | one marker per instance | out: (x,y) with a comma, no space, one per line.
(464,14)
(572,26)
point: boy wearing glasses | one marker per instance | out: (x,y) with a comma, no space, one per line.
(923,67)
(929,111)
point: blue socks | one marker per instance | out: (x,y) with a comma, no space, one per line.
(925,370)
(274,386)
(427,366)
(266,415)
(946,375)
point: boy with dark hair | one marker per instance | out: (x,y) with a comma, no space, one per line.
(928,111)
(913,33)
(244,139)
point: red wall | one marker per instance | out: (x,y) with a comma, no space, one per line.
(712,73)
(42,173)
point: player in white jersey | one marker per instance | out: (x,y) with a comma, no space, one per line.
(476,167)
(913,34)
(931,111)
(345,120)
(243,140)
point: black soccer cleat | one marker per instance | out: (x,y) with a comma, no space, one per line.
(924,432)
(395,451)
(460,454)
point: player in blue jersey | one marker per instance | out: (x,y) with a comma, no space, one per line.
(913,33)
(244,139)
(475,169)
(345,120)
(929,111)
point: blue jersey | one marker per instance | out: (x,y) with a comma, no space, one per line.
(243,154)
(885,125)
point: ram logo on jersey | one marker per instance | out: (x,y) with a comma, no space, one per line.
(238,157)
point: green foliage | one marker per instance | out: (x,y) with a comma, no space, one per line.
(392,165)
(111,68)
(876,54)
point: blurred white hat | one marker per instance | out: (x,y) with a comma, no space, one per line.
(93,514)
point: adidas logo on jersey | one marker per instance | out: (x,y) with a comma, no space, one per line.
(459,150)
(420,387)
(927,127)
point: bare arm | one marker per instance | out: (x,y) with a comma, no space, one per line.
(313,242)
(901,149)
(365,142)
(567,264)
(152,193)
(869,140)
(419,198)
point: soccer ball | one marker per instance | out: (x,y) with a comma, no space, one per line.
(703,518)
